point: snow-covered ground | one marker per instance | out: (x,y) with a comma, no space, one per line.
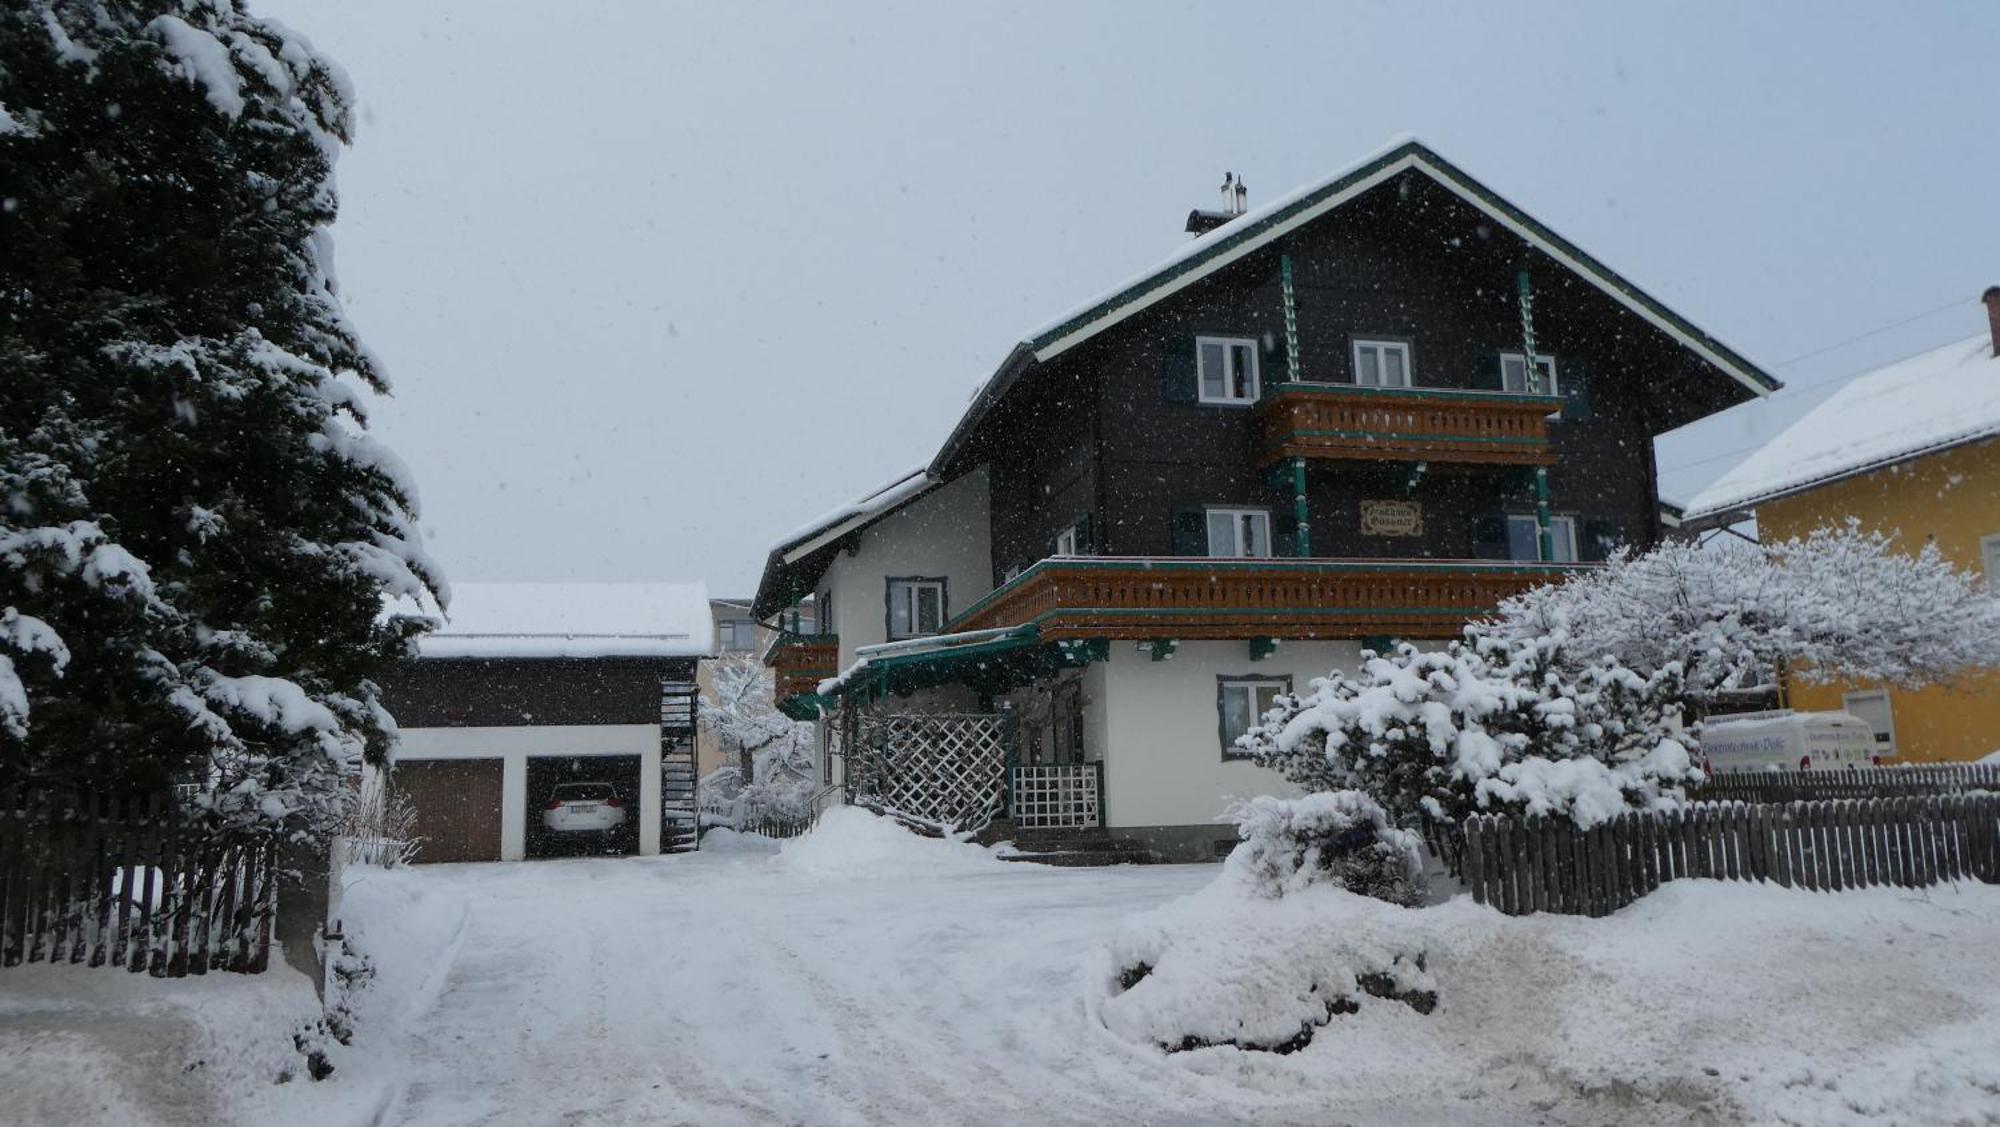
(862,976)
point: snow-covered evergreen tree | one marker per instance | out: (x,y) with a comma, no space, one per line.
(196,531)
(1483,725)
(1838,603)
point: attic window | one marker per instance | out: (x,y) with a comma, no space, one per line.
(1228,369)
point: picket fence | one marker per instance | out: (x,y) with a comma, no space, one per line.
(120,882)
(1857,782)
(1522,865)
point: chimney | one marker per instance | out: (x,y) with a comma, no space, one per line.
(1992,299)
(1242,198)
(1235,201)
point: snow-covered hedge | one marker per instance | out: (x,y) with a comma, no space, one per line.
(1484,725)
(1335,837)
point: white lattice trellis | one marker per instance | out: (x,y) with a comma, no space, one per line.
(946,769)
(1058,795)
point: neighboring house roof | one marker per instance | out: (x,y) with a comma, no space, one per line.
(800,556)
(574,620)
(1934,401)
(1260,226)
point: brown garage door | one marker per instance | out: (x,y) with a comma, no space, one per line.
(458,806)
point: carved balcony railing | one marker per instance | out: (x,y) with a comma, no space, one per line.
(799,662)
(1194,598)
(1301,420)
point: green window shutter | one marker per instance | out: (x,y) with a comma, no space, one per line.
(1178,370)
(1489,536)
(1574,383)
(1271,367)
(1190,532)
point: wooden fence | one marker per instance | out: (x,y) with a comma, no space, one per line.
(1523,865)
(1859,782)
(122,883)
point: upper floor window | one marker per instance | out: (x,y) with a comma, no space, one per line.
(1514,374)
(1066,542)
(1239,533)
(1524,540)
(1382,363)
(1228,369)
(916,607)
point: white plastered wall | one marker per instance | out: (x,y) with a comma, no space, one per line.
(1154,723)
(513,747)
(944,533)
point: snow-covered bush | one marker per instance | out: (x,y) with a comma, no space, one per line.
(197,531)
(1484,725)
(1335,837)
(1836,604)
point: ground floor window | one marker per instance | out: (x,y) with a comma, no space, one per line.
(1240,705)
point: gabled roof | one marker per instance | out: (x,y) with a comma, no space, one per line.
(572,620)
(1202,256)
(799,557)
(1943,398)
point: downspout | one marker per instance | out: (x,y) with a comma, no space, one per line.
(1302,539)
(1531,377)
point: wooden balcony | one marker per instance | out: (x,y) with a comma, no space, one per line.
(799,662)
(1182,598)
(1320,420)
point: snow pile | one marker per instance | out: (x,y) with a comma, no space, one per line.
(408,924)
(1705,1001)
(850,843)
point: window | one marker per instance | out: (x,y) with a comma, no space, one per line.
(916,607)
(1228,369)
(736,634)
(823,612)
(1873,706)
(1240,705)
(1524,539)
(1067,542)
(1381,363)
(1239,533)
(1514,378)
(1989,558)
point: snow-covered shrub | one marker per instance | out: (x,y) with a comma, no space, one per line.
(1484,725)
(1836,604)
(1338,837)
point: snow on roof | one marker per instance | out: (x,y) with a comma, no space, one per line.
(1942,398)
(574,620)
(837,523)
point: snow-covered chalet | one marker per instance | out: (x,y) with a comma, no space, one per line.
(1370,409)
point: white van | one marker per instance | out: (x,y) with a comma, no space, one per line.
(1782,738)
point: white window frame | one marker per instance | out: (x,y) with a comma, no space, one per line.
(1224,685)
(907,587)
(1229,346)
(1543,360)
(1237,516)
(1066,542)
(1888,709)
(1989,558)
(1382,347)
(1562,530)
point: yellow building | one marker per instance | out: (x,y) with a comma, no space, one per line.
(1911,450)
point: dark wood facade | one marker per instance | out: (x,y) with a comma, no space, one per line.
(1109,434)
(512,692)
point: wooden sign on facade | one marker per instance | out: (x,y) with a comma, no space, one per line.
(1392,518)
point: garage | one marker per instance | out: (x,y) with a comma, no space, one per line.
(567,796)
(458,803)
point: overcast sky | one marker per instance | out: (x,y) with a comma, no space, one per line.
(658,282)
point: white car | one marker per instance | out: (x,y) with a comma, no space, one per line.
(579,808)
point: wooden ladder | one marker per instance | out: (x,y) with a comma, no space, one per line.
(680,814)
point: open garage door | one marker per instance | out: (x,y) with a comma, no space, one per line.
(587,778)
(458,806)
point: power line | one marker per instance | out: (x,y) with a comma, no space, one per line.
(1952,304)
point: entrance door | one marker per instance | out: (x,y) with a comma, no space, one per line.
(1873,706)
